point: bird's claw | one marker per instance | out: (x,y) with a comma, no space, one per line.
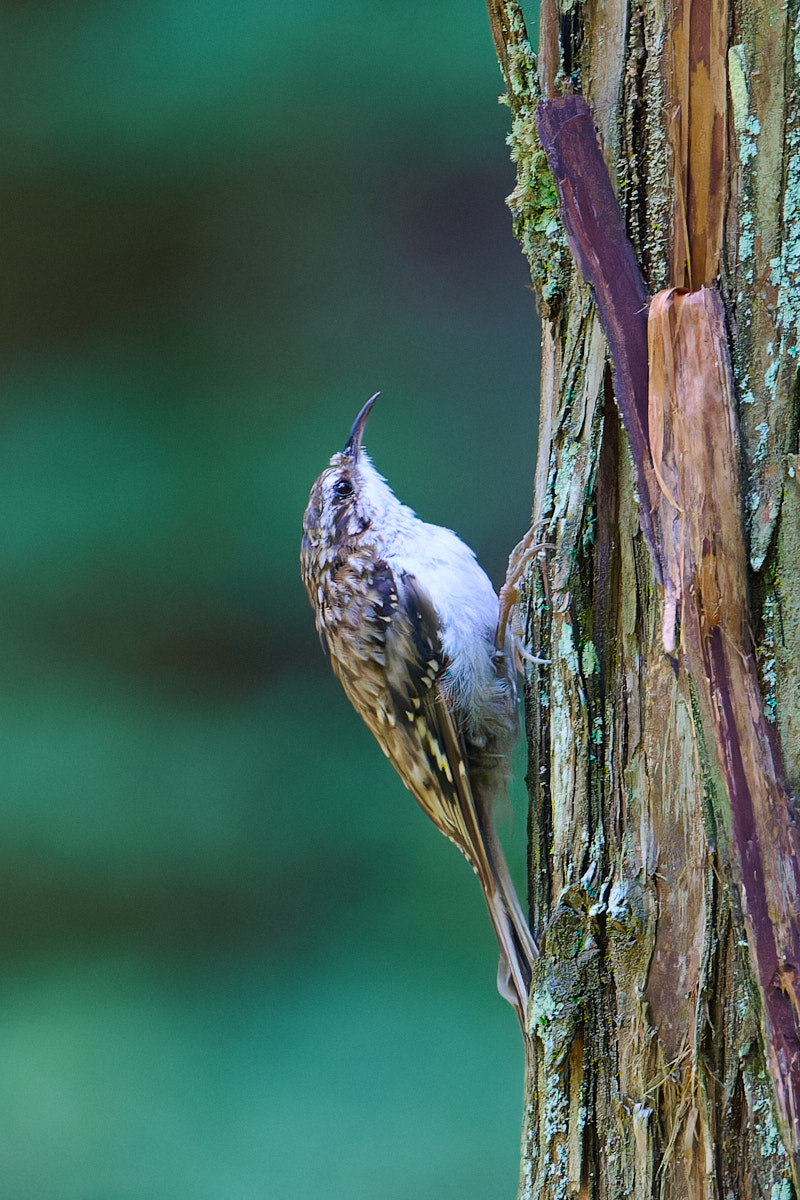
(528,550)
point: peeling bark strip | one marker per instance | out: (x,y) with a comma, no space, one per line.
(602,249)
(696,86)
(696,458)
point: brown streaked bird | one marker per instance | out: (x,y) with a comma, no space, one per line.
(409,619)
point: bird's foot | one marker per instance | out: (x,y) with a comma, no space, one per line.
(529,549)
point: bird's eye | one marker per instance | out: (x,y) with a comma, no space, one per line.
(342,488)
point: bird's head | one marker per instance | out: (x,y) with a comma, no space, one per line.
(349,494)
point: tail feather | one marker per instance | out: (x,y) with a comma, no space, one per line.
(518,949)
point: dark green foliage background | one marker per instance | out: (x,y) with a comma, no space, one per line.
(237,962)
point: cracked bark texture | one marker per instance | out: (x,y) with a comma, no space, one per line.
(654,1073)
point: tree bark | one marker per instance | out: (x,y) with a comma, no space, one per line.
(657,145)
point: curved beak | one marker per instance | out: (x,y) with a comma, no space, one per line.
(353,443)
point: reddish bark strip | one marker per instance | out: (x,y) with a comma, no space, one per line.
(763,836)
(694,442)
(601,247)
(694,62)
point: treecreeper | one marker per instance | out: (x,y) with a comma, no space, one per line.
(410,621)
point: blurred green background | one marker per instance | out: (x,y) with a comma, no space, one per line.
(237,961)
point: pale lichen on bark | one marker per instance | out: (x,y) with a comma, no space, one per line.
(534,200)
(762,266)
(778,628)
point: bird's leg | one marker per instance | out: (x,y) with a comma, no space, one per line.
(528,550)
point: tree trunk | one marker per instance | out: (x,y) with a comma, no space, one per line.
(663,734)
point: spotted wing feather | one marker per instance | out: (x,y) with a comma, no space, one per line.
(426,736)
(392,666)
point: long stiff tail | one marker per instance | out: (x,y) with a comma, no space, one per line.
(518,950)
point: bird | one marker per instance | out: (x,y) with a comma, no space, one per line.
(409,620)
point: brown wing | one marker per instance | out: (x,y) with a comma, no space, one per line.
(440,781)
(424,741)
(393,674)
